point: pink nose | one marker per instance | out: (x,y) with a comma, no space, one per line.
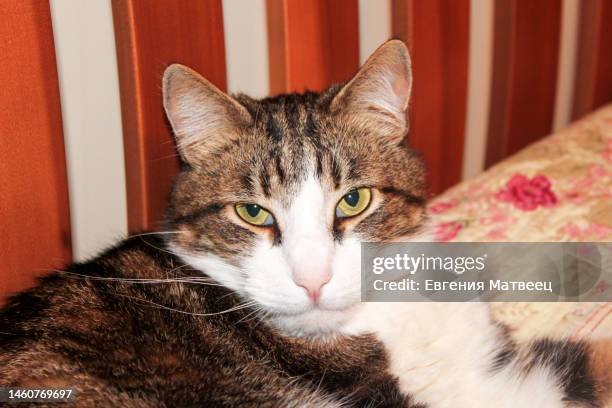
(312,283)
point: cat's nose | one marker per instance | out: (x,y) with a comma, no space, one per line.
(312,282)
(309,258)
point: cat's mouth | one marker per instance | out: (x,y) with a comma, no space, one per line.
(282,306)
(315,322)
(314,307)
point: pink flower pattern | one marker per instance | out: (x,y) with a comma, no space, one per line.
(447,231)
(441,207)
(526,194)
(559,189)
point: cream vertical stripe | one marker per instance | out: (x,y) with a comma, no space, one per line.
(479,86)
(568,52)
(374,26)
(89,89)
(246,47)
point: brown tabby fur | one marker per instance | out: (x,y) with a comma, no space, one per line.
(142,344)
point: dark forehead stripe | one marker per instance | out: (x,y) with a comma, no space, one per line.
(247,183)
(264,181)
(280,172)
(295,110)
(290,123)
(273,129)
(353,168)
(319,169)
(336,171)
(310,127)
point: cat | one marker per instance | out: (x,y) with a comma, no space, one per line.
(251,295)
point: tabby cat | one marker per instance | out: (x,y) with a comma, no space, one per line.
(251,295)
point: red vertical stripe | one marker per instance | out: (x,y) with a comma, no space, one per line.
(149,36)
(34,214)
(312,44)
(437,33)
(593,84)
(525,59)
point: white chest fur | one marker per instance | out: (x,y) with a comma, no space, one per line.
(442,354)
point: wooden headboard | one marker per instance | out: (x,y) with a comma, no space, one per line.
(311,45)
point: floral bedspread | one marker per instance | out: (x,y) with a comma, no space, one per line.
(558,189)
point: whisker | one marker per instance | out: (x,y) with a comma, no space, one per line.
(170,156)
(195,280)
(226,295)
(263,316)
(144,234)
(154,304)
(178,267)
(158,248)
(255,312)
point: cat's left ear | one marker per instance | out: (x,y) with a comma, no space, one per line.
(203,117)
(379,93)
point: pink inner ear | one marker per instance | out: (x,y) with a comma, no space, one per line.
(381,89)
(401,87)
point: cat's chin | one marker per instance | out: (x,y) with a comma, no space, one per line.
(314,323)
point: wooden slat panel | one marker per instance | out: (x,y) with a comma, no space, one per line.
(593,84)
(312,44)
(525,59)
(34,214)
(149,36)
(437,33)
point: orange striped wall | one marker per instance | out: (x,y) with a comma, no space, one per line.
(34,214)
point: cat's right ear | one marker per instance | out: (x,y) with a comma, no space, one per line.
(203,117)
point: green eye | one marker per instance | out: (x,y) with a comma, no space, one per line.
(354,203)
(254,214)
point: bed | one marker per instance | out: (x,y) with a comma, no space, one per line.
(558,189)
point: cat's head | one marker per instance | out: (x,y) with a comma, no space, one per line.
(275,195)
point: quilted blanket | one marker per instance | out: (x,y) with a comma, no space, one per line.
(558,189)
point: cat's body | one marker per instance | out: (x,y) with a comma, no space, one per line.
(269,209)
(138,328)
(456,355)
